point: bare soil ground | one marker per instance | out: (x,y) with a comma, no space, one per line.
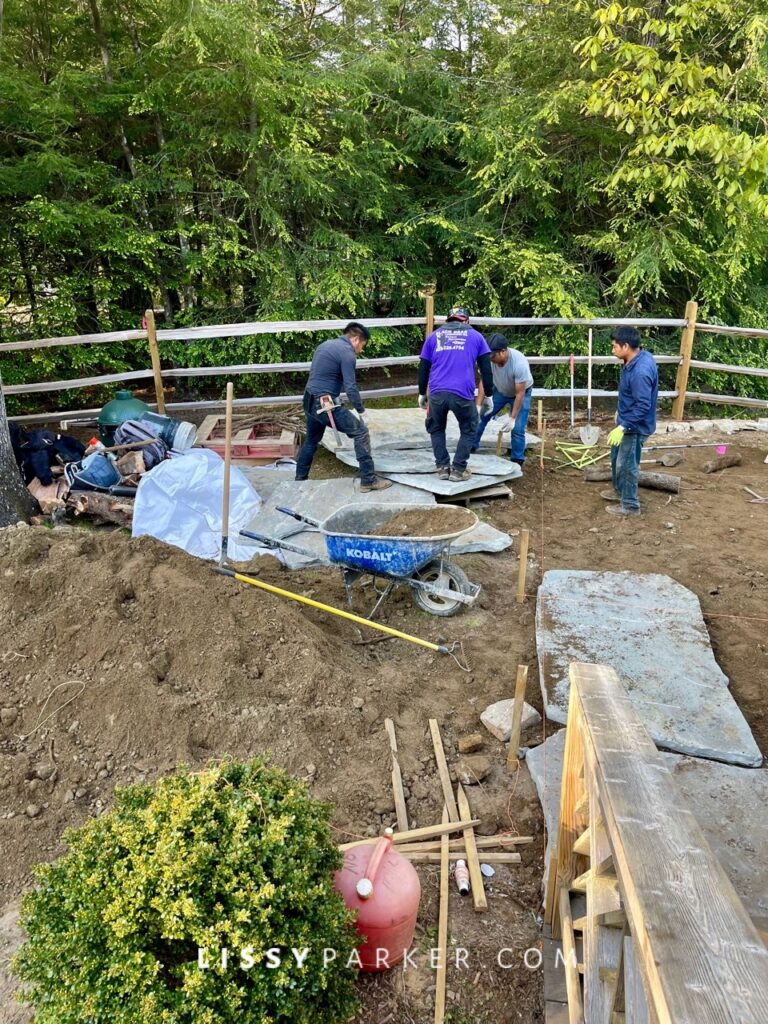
(119,659)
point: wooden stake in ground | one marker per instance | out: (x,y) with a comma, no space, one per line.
(517,717)
(523,565)
(227,464)
(442,768)
(442,928)
(473,862)
(154,355)
(414,834)
(540,419)
(397,778)
(543,432)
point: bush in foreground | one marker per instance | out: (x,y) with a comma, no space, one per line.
(234,857)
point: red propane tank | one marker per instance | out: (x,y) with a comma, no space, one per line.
(384,889)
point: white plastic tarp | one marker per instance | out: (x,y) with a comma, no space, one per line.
(180,502)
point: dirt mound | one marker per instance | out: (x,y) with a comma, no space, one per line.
(122,658)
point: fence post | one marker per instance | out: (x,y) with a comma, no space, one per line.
(686,349)
(428,294)
(154,353)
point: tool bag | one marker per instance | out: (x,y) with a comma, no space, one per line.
(141,430)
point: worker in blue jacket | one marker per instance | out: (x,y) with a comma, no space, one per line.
(635,419)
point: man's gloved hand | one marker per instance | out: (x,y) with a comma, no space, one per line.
(504,424)
(616,436)
(486,407)
(423,402)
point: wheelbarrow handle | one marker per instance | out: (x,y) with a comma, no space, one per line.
(276,543)
(297,515)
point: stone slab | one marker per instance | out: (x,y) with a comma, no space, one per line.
(430,481)
(421,460)
(404,428)
(497,718)
(650,629)
(321,498)
(727,802)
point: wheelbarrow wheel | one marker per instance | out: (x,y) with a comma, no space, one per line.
(447,577)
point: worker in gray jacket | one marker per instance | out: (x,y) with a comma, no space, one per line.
(333,371)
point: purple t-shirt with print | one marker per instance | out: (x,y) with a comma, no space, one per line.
(453,350)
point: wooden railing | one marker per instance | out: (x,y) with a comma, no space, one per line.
(665,936)
(150,336)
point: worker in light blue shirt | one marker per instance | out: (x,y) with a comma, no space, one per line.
(635,419)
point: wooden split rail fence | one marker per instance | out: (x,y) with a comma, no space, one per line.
(150,336)
(666,939)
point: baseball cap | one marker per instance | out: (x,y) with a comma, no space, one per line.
(458,313)
(497,342)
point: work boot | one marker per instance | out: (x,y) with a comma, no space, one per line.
(609,496)
(377,484)
(443,472)
(619,510)
(459,475)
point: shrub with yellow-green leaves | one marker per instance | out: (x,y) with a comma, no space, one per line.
(130,927)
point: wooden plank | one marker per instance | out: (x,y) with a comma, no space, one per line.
(569,864)
(572,982)
(397,778)
(442,928)
(686,348)
(522,566)
(481,842)
(154,354)
(442,768)
(602,944)
(517,713)
(751,371)
(635,1002)
(424,832)
(490,857)
(698,952)
(747,403)
(281,327)
(581,845)
(473,863)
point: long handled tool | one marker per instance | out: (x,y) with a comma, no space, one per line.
(589,435)
(378,627)
(327,405)
(227,464)
(669,447)
(571,367)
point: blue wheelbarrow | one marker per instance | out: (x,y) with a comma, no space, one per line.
(437,585)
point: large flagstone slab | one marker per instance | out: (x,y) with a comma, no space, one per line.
(404,428)
(422,461)
(649,629)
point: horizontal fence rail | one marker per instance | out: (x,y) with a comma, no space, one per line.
(683,360)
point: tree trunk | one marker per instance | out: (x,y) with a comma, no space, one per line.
(656,481)
(16,503)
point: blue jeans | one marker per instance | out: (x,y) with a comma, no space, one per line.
(517,438)
(465,411)
(625,468)
(346,423)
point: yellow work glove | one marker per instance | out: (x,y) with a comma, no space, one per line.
(616,436)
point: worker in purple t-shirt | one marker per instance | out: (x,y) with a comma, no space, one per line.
(447,365)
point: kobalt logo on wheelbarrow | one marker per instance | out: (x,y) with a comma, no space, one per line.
(374,556)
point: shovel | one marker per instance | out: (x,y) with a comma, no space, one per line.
(589,435)
(668,459)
